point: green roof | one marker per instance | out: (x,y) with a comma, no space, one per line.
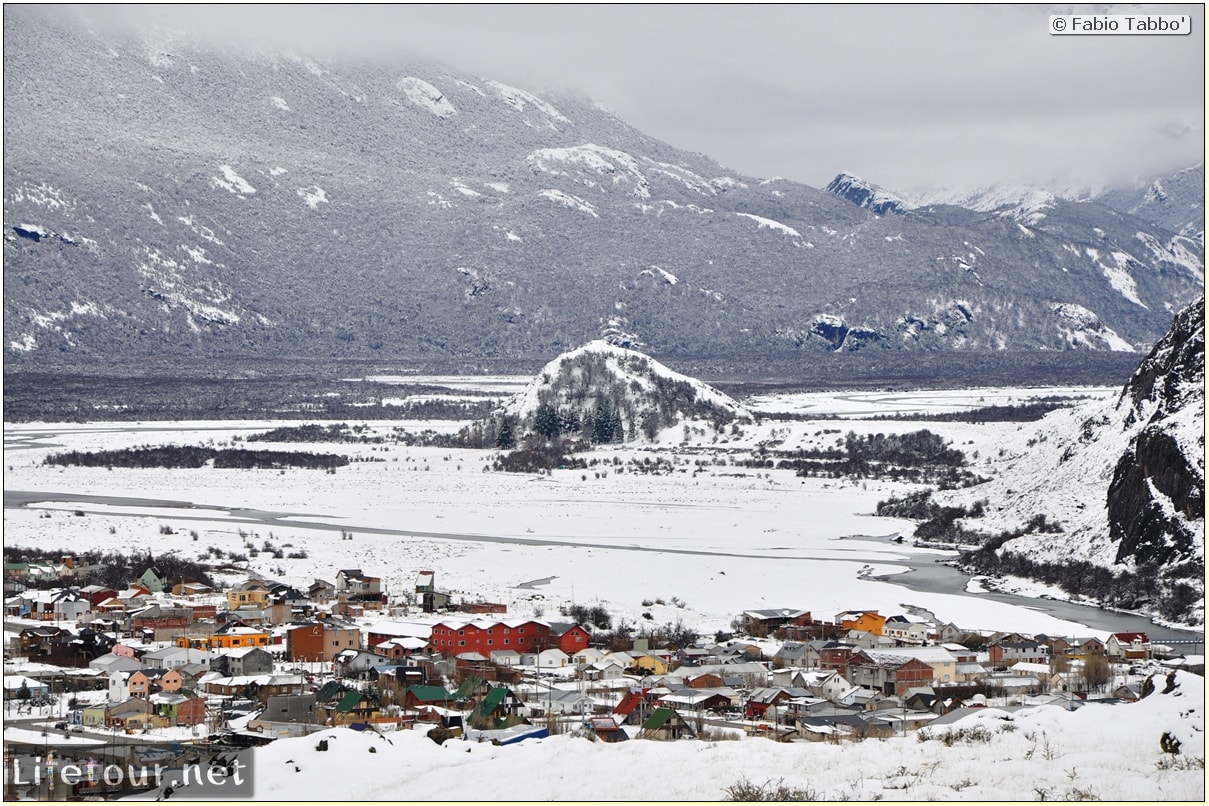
(429,693)
(492,700)
(348,702)
(658,719)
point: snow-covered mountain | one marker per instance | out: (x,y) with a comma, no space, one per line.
(1116,486)
(1175,202)
(165,197)
(605,392)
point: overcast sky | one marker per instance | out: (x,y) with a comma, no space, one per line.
(905,96)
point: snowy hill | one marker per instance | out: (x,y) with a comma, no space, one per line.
(609,393)
(1116,486)
(230,202)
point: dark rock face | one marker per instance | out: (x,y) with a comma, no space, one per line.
(1137,520)
(1157,481)
(864,195)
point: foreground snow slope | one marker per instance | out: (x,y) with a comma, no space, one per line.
(1102,751)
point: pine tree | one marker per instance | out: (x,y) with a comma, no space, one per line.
(547,422)
(602,422)
(505,440)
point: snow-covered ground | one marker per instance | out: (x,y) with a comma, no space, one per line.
(698,543)
(719,537)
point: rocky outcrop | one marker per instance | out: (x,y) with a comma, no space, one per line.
(1156,502)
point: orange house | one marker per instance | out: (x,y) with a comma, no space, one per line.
(864,620)
(233,638)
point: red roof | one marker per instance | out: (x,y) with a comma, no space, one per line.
(1131,637)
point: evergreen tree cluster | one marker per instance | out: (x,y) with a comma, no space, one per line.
(192,456)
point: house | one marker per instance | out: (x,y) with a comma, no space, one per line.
(173,657)
(505,657)
(760,623)
(700,700)
(159,621)
(354,706)
(546,659)
(227,637)
(150,580)
(570,638)
(791,653)
(948,633)
(420,696)
(297,708)
(167,681)
(607,729)
(707,680)
(253,686)
(665,724)
(482,636)
(607,668)
(180,710)
(431,599)
(648,664)
(866,620)
(321,640)
(1128,646)
(191,589)
(36,642)
(94,716)
(97,593)
(354,586)
(125,685)
(405,647)
(321,591)
(761,699)
(248,660)
(110,662)
(357,663)
(381,631)
(135,713)
(498,704)
(1007,653)
(907,632)
(1083,647)
(587,655)
(888,672)
(250,593)
(943,663)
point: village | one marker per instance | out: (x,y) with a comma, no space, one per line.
(184,664)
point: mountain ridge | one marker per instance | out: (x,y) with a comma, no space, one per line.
(223,203)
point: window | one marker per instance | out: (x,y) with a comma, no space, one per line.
(461,643)
(505,642)
(488,642)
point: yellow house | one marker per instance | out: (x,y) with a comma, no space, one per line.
(247,598)
(649,663)
(865,620)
